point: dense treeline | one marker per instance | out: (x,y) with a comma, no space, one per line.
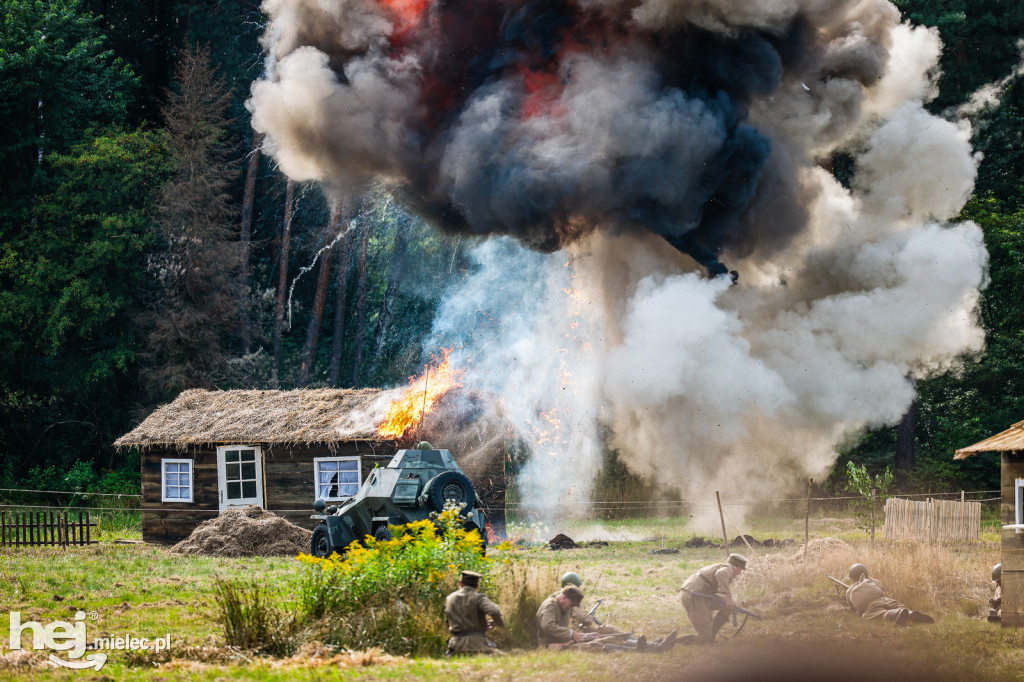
(147,246)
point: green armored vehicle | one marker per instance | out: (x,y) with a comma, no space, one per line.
(412,486)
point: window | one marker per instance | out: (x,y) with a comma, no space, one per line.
(176,475)
(336,477)
(1018,498)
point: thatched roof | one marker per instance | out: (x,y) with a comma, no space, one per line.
(300,416)
(1010,440)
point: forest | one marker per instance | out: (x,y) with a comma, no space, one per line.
(148,246)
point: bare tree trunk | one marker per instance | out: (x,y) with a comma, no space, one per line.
(313,330)
(245,237)
(338,337)
(905,431)
(364,247)
(387,307)
(282,282)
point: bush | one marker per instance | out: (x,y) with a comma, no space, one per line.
(251,619)
(390,593)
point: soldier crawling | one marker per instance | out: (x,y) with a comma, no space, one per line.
(466,611)
(713,580)
(866,597)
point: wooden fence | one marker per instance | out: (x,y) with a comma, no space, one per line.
(45,528)
(932,520)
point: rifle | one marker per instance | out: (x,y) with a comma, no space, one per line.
(715,603)
(592,611)
(838,583)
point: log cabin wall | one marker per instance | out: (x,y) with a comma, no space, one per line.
(1012,468)
(287,471)
(289,491)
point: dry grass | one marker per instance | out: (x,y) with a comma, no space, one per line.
(931,578)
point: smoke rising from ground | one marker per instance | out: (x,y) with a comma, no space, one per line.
(594,135)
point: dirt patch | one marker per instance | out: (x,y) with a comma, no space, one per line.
(22,660)
(246,531)
(562,541)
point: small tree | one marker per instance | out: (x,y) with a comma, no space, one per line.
(870,489)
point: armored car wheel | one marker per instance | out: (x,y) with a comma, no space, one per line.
(383,534)
(450,486)
(320,545)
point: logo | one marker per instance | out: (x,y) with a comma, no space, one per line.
(71,637)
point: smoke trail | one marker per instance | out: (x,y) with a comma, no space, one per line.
(592,133)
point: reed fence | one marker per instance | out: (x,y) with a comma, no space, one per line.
(932,520)
(45,528)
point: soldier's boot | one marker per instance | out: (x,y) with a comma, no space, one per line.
(721,618)
(993,616)
(665,644)
(918,617)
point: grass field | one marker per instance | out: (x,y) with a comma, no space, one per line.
(807,633)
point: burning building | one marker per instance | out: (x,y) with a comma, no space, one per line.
(280,450)
(618,153)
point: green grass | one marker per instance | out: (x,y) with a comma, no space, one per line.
(147,591)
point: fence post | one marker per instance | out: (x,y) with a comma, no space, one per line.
(807,517)
(721,516)
(873,504)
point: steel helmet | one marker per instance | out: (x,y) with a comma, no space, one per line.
(858,571)
(571,578)
(997,572)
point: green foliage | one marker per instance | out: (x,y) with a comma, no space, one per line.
(859,481)
(392,592)
(57,80)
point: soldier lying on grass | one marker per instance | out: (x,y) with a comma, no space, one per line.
(554,629)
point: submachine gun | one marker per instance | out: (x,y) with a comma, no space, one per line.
(716,603)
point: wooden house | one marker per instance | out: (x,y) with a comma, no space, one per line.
(1010,446)
(210,450)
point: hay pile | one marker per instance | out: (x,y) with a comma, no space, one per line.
(246,531)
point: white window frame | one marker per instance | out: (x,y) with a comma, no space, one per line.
(191,480)
(1018,504)
(260,499)
(316,475)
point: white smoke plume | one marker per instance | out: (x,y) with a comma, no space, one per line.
(598,135)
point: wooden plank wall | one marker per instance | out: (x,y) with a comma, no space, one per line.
(289,492)
(1011,468)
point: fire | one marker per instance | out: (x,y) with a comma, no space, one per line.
(420,397)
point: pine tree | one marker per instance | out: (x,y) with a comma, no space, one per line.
(195,313)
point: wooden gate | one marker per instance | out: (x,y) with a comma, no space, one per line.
(45,528)
(932,520)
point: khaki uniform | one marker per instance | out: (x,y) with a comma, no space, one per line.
(553,624)
(466,611)
(713,579)
(868,599)
(580,620)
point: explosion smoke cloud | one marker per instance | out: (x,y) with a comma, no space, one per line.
(594,131)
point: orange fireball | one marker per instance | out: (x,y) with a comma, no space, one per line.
(421,395)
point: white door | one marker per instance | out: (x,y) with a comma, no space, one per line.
(240,475)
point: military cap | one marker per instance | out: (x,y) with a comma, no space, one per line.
(574,594)
(737,560)
(471,578)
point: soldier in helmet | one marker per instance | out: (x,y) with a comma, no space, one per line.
(579,617)
(711,580)
(995,611)
(466,611)
(555,628)
(866,597)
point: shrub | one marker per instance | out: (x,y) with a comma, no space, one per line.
(391,592)
(252,620)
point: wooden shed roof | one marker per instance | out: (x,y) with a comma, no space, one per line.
(1010,440)
(299,416)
